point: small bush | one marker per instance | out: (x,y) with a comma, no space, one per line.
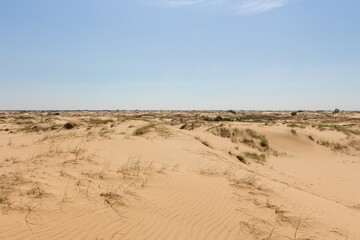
(264,143)
(218,119)
(68,126)
(293,114)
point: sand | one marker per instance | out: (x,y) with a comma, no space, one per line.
(179,175)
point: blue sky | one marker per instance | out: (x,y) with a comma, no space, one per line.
(180,54)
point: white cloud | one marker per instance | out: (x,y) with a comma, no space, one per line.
(182,3)
(258,6)
(242,7)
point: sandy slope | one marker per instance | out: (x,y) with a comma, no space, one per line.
(169,183)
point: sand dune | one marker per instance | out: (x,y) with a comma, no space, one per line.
(179,175)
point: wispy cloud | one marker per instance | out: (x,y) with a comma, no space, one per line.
(258,6)
(243,7)
(182,3)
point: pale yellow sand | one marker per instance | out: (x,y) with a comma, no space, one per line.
(100,181)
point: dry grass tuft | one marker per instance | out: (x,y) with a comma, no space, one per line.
(208,171)
(332,145)
(206,143)
(35,191)
(113,199)
(244,182)
(134,167)
(258,158)
(143,130)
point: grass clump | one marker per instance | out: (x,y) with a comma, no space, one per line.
(248,136)
(297,125)
(134,167)
(340,128)
(245,182)
(98,121)
(217,119)
(208,171)
(105,132)
(223,132)
(256,140)
(113,198)
(332,145)
(264,143)
(35,192)
(142,130)
(258,158)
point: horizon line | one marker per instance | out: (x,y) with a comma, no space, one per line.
(174,110)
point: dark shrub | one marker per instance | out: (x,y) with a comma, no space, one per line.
(68,126)
(218,119)
(241,159)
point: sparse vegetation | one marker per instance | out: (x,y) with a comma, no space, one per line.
(84,167)
(208,171)
(217,119)
(258,158)
(332,145)
(144,129)
(339,128)
(262,141)
(97,121)
(35,191)
(206,143)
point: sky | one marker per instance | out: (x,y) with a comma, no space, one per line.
(180,54)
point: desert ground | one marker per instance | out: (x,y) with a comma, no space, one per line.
(179,175)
